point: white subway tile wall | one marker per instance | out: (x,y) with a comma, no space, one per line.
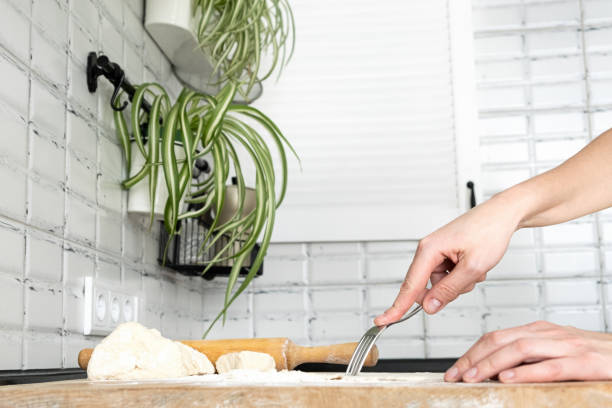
(543,76)
(543,80)
(550,97)
(62,213)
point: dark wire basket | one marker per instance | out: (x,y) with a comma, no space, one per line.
(186,257)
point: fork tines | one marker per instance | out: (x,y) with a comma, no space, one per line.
(363,349)
(367,342)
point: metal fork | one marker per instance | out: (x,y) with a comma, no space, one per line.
(367,342)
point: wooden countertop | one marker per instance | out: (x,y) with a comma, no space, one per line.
(192,392)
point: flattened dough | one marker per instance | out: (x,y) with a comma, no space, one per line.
(132,351)
(245,360)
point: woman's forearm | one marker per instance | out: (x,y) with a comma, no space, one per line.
(579,186)
(473,243)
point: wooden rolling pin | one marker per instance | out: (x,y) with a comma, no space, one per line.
(286,353)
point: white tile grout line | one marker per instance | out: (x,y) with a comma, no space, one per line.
(496,58)
(494,112)
(598,230)
(458,186)
(28,205)
(517,30)
(362,276)
(306,273)
(66,173)
(537,233)
(251,311)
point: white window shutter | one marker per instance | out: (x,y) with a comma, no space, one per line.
(370,102)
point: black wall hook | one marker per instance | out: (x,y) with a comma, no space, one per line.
(471,187)
(115,98)
(100,65)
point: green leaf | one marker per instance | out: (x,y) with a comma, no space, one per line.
(153,156)
(224,100)
(237,33)
(124,138)
(214,128)
(171,169)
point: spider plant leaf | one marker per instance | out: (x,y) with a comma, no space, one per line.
(204,189)
(153,154)
(208,202)
(253,268)
(260,191)
(187,136)
(238,8)
(257,47)
(219,184)
(266,121)
(237,236)
(242,226)
(171,168)
(280,142)
(199,135)
(137,102)
(234,273)
(136,178)
(124,138)
(207,9)
(214,127)
(239,178)
(233,276)
(291,19)
(206,37)
(238,32)
(224,100)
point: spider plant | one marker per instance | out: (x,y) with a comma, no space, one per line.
(237,33)
(218,129)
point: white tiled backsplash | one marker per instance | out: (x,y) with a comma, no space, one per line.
(544,76)
(62,212)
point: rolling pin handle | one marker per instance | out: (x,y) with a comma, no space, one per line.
(84,356)
(332,354)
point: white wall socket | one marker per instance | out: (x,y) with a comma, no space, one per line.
(106,308)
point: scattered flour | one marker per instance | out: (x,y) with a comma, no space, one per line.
(252,377)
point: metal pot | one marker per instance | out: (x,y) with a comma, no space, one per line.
(231,204)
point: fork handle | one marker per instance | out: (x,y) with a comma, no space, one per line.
(408,316)
(332,354)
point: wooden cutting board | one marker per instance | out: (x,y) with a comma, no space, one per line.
(335,394)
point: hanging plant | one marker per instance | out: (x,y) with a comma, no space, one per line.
(216,128)
(236,34)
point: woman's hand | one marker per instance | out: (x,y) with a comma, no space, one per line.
(537,352)
(457,256)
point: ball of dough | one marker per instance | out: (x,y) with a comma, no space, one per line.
(245,360)
(132,351)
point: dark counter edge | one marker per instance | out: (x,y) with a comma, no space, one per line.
(436,365)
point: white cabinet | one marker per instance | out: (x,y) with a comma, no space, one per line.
(378,101)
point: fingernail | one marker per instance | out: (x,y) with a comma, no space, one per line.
(434,305)
(471,372)
(452,373)
(506,375)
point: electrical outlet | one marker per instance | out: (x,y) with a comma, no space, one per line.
(106,308)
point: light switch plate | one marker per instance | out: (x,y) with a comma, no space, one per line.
(106,307)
